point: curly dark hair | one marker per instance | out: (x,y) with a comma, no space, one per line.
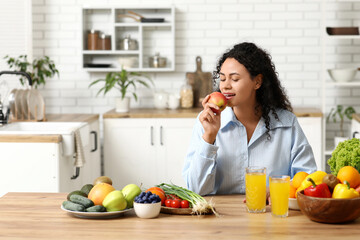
(271,95)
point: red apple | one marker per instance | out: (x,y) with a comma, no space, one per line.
(219,99)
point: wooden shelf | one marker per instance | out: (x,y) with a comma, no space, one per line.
(104,19)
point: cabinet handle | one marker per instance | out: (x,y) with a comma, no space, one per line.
(161,136)
(95,141)
(152,136)
(354,134)
(77,173)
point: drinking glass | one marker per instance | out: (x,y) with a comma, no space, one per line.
(255,188)
(279,194)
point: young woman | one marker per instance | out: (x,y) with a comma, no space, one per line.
(257,128)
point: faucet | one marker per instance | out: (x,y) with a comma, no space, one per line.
(18,73)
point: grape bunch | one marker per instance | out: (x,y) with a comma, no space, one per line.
(147,197)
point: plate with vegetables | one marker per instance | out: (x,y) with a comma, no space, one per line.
(97,215)
(181,201)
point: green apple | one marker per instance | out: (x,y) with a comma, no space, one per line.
(115,201)
(131,191)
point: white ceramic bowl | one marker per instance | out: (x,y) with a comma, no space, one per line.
(147,210)
(293,204)
(343,74)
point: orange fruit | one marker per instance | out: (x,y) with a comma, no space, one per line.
(292,191)
(299,178)
(350,174)
(99,192)
(158,192)
(156,188)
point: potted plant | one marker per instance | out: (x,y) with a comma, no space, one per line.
(39,70)
(125,82)
(340,112)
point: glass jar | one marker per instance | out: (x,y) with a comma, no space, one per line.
(105,42)
(92,39)
(186,96)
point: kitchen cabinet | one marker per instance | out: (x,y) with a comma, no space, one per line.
(312,127)
(146,151)
(92,167)
(355,127)
(39,163)
(338,51)
(118,22)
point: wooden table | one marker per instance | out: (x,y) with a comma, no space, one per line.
(38,216)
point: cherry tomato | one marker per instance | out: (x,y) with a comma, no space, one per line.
(175,203)
(168,202)
(184,204)
(172,196)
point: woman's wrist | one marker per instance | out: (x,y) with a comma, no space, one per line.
(209,138)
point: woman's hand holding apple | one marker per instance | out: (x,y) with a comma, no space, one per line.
(209,120)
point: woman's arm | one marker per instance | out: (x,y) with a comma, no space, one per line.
(200,163)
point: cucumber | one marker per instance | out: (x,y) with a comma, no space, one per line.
(81,200)
(73,206)
(96,208)
(77,192)
(86,189)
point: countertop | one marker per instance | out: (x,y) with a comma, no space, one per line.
(50,138)
(189,113)
(38,216)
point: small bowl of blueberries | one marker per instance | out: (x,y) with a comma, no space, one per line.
(147,205)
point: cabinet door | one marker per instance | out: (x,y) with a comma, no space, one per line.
(129,152)
(174,139)
(311,127)
(92,166)
(355,129)
(29,167)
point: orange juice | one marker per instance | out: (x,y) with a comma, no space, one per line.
(279,194)
(255,185)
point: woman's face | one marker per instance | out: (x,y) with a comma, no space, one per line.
(236,83)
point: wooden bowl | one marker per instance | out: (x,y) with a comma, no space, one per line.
(329,210)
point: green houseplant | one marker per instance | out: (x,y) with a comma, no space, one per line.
(39,69)
(125,82)
(340,112)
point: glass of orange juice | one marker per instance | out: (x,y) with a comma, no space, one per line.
(279,194)
(255,188)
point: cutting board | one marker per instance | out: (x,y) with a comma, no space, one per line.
(201,82)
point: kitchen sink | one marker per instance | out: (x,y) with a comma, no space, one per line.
(65,129)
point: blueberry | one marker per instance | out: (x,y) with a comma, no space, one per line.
(144,198)
(142,194)
(154,201)
(148,194)
(147,201)
(141,201)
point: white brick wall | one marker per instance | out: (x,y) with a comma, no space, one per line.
(290,30)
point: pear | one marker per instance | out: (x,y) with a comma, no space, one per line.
(114,201)
(131,191)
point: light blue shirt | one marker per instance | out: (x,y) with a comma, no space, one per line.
(220,168)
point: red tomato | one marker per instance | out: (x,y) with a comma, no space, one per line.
(172,196)
(184,204)
(175,203)
(168,202)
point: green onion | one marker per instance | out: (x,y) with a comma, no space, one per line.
(198,203)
